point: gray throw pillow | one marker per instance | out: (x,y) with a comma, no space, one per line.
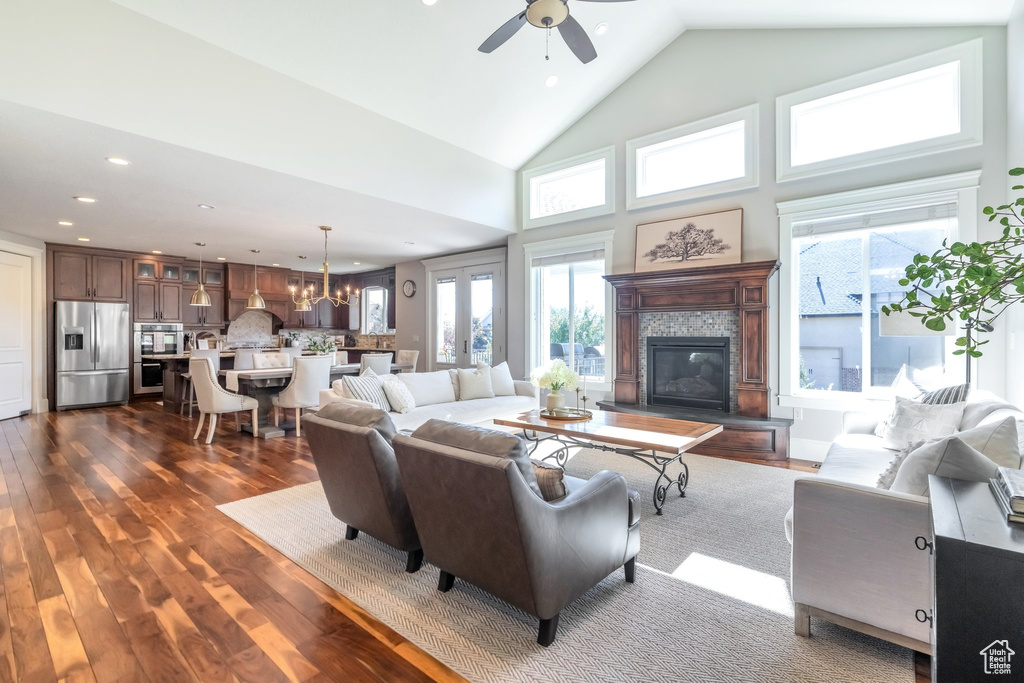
(479,440)
(944,458)
(360,416)
(946,395)
(549,479)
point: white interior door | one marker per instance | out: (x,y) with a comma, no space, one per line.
(15,334)
(468,324)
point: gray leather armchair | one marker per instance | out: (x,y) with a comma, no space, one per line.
(351,448)
(480,517)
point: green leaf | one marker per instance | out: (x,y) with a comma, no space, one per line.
(936,324)
(1016,171)
(988,210)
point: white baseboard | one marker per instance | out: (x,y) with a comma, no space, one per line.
(808,449)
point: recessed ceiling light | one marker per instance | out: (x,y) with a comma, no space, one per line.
(207,206)
(275,264)
(551,81)
(601,29)
(221,258)
(83,239)
(429,3)
(118,161)
(65,223)
(157,251)
(320,269)
(85,200)
(356,263)
(410,243)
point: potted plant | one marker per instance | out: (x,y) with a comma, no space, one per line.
(555,377)
(321,344)
(290,338)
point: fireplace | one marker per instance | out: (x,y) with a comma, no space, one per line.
(691,372)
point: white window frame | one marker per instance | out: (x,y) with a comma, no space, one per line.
(364,306)
(970,57)
(960,187)
(608,208)
(748,115)
(594,240)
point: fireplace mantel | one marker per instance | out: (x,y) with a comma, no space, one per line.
(741,287)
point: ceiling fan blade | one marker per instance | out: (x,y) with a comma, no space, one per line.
(606,0)
(507,30)
(577,40)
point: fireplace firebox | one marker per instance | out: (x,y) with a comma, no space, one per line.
(691,372)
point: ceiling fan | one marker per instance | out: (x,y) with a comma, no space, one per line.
(548,14)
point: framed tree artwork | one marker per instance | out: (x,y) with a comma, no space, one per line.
(711,239)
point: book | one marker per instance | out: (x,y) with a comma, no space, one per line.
(1013,484)
(1004,502)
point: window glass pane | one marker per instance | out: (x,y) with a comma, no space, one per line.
(571,189)
(918,106)
(831,286)
(446,307)
(924,356)
(572,320)
(703,158)
(375,304)
(481,300)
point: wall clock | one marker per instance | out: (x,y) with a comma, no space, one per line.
(409,288)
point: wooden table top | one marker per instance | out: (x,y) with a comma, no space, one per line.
(660,434)
(278,373)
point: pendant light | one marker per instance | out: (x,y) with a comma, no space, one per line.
(255,300)
(200,297)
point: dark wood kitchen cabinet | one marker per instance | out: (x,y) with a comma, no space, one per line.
(84,276)
(202,316)
(157,302)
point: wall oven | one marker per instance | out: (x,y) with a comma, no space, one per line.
(154,339)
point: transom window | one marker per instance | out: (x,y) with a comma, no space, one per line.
(919,106)
(698,159)
(580,187)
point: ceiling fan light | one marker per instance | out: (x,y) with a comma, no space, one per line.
(200,297)
(547,13)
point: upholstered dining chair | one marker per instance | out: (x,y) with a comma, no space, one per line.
(214,400)
(292,352)
(243,359)
(380,363)
(408,358)
(272,359)
(188,392)
(351,447)
(481,516)
(311,374)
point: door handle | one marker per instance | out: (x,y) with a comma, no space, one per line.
(465,346)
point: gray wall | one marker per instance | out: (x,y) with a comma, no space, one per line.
(411,312)
(704,73)
(1015,157)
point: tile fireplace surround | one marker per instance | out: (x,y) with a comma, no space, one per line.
(692,324)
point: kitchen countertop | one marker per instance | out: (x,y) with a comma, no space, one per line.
(231,354)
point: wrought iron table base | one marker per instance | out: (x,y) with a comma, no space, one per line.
(658,463)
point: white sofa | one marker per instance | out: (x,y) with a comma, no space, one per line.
(434,400)
(861,555)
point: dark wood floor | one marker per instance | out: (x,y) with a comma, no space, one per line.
(116,565)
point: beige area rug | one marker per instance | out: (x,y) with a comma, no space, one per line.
(710,603)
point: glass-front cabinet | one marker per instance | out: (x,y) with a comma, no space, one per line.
(154,269)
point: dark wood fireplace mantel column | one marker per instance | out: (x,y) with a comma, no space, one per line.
(741,287)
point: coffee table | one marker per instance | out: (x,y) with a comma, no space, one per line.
(655,441)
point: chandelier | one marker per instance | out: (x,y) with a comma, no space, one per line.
(308,298)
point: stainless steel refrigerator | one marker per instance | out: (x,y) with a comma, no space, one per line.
(92,353)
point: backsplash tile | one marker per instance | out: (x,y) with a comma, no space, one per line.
(693,324)
(253,327)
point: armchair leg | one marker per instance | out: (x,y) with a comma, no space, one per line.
(255,423)
(548,629)
(445,582)
(213,427)
(298,422)
(351,533)
(199,428)
(630,569)
(277,416)
(415,561)
(238,422)
(801,620)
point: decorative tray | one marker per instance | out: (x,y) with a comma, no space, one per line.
(567,415)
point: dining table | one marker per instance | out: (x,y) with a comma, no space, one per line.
(265,383)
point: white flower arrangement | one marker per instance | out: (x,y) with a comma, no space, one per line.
(556,376)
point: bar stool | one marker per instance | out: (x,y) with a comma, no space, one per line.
(188,391)
(408,358)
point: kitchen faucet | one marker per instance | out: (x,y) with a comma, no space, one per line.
(376,341)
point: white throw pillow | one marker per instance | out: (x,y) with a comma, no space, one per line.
(475,384)
(948,457)
(367,387)
(887,477)
(339,388)
(997,441)
(501,380)
(911,421)
(399,396)
(453,375)
(428,388)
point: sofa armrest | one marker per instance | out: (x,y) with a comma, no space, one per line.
(856,553)
(328,396)
(526,388)
(859,422)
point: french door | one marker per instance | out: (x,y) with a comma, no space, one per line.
(468,316)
